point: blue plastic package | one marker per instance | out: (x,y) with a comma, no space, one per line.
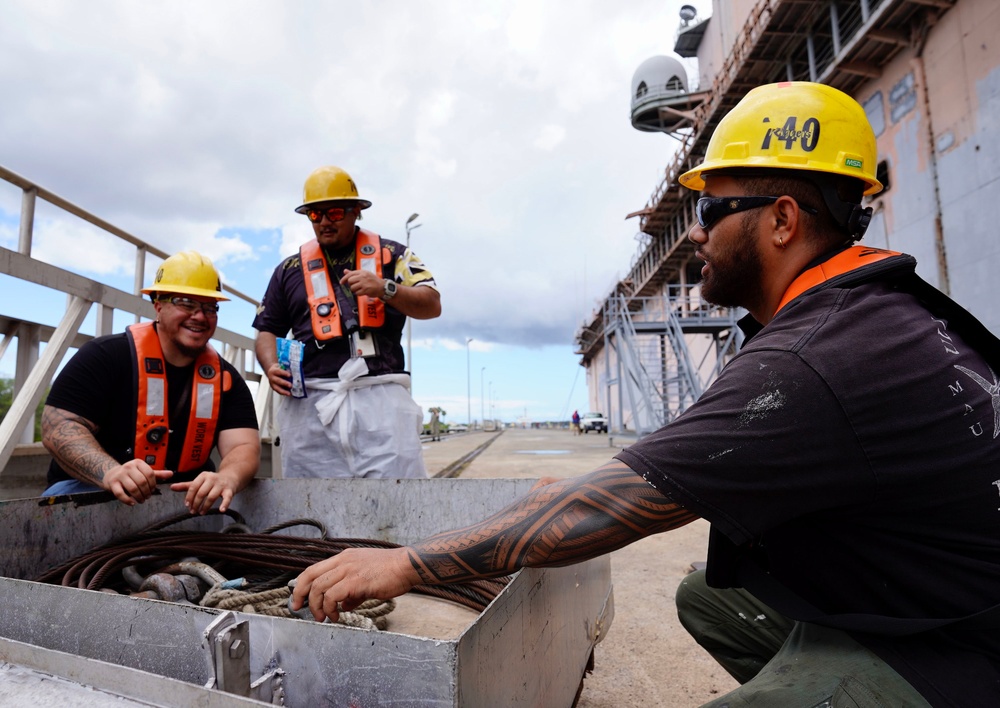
(290,352)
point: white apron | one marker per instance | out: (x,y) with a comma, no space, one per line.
(352,426)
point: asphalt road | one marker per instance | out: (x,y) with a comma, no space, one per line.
(647,658)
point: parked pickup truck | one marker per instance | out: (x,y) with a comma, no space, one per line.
(593,421)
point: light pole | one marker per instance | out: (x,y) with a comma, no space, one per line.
(413,217)
(482,409)
(468,380)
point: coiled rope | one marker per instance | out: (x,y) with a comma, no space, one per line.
(246,571)
(370,614)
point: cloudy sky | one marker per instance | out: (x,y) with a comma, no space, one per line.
(504,124)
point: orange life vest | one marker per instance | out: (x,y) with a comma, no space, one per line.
(152,425)
(843,262)
(323,310)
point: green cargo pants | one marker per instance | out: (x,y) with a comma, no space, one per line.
(782,663)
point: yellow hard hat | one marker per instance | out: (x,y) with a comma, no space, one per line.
(187,273)
(327,184)
(795,125)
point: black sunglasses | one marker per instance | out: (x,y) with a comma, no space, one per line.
(711,209)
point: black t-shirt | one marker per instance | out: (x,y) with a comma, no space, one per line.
(850,449)
(285,307)
(98,383)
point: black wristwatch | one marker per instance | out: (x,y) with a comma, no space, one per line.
(388,290)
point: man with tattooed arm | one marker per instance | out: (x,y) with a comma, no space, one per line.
(132,410)
(847,458)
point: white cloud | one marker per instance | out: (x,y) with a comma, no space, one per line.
(504,124)
(454,345)
(432,121)
(75,245)
(153,95)
(292,237)
(525,27)
(549,137)
(226,249)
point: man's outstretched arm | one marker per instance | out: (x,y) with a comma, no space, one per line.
(565,522)
(70,438)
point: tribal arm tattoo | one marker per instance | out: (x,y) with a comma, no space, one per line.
(559,524)
(70,439)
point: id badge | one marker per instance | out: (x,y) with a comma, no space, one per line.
(363,344)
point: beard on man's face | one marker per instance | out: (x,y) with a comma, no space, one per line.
(187,351)
(735,269)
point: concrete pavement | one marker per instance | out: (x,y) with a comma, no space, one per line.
(518,452)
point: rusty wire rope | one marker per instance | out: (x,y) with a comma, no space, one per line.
(265,559)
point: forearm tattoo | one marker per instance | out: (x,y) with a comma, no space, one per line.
(559,524)
(70,439)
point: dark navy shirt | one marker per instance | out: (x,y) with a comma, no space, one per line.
(851,451)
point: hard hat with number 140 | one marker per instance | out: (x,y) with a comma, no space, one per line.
(795,125)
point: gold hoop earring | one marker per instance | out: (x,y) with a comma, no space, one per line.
(780,242)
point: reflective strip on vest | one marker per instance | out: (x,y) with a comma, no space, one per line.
(156,395)
(323,311)
(206,401)
(844,262)
(152,425)
(319,284)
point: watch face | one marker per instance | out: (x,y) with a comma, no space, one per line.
(390,288)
